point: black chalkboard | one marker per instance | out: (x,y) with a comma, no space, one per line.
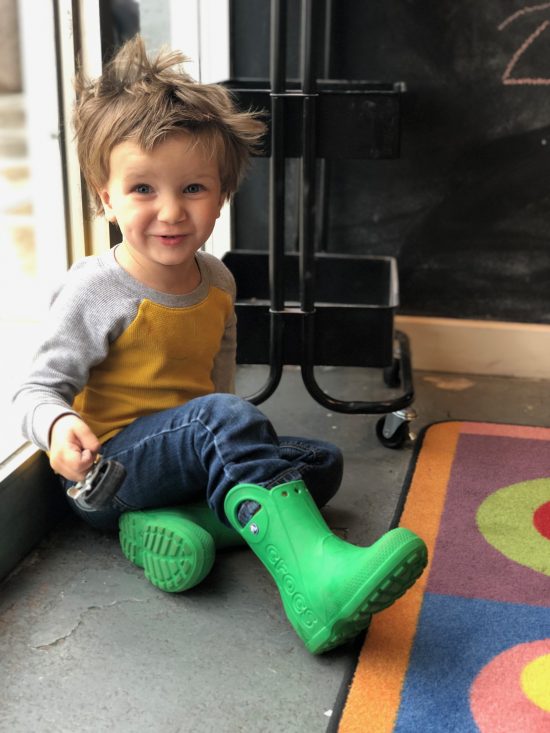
(465,209)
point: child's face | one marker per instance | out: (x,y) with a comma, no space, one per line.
(165,201)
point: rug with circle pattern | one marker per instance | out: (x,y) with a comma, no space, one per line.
(467,650)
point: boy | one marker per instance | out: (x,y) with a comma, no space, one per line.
(139,361)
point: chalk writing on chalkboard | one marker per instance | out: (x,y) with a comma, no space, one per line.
(507,77)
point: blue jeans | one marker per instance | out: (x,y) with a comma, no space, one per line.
(202,449)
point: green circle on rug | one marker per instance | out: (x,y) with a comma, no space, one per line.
(506,520)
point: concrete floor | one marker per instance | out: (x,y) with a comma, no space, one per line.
(86,644)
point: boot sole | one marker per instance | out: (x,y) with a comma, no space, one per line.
(175,553)
(374,596)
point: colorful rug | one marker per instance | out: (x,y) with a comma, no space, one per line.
(468,648)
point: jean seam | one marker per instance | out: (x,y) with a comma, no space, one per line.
(160,433)
(292,474)
(315,455)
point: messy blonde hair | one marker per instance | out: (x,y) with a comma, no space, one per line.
(145,100)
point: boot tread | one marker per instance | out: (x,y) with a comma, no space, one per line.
(174,553)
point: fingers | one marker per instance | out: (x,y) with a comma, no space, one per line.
(87,439)
(71,463)
(73,447)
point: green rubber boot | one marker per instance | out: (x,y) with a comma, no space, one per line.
(329,587)
(202,515)
(174,552)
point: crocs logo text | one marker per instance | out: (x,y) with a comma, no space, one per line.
(289,585)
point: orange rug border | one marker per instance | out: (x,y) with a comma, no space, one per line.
(372,691)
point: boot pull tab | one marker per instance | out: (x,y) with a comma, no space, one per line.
(255,529)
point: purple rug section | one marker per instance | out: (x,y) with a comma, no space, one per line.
(464,563)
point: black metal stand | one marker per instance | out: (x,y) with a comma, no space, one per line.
(313,308)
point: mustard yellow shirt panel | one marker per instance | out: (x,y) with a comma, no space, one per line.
(163,359)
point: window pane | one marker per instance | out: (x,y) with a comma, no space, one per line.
(32,233)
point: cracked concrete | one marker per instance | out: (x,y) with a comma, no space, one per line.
(86,644)
(95,590)
(48,644)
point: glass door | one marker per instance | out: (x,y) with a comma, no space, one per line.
(33,241)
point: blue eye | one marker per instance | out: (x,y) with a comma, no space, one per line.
(194,188)
(142,188)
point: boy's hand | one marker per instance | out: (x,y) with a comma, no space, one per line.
(73,447)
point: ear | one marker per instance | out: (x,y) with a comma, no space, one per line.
(107,208)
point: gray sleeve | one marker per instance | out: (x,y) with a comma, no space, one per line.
(76,336)
(223,372)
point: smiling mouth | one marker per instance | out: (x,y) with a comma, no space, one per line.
(171,238)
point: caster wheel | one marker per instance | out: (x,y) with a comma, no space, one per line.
(397,439)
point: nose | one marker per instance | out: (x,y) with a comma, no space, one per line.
(171,209)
